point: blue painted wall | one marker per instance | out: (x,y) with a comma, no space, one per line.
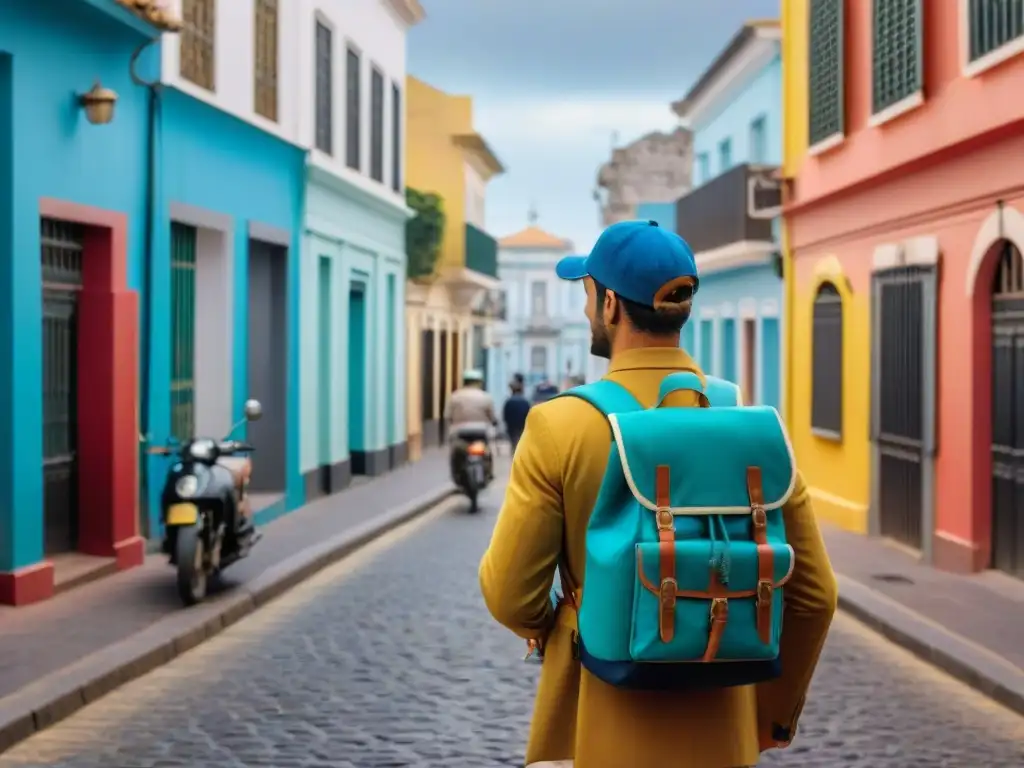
(759,100)
(663,213)
(214,161)
(49,52)
(721,303)
(750,127)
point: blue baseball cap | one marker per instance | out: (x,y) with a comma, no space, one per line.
(638,260)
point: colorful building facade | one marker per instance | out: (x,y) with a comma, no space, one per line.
(545,335)
(72,234)
(905,223)
(353,262)
(734,111)
(448,312)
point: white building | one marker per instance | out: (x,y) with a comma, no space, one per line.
(546,334)
(329,77)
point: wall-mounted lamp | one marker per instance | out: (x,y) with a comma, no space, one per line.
(98,104)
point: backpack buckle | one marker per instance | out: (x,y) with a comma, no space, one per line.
(759,516)
(667,609)
(666,521)
(764,592)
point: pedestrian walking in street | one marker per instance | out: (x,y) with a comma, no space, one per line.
(514,413)
(638,669)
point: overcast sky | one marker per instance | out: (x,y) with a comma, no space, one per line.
(553,80)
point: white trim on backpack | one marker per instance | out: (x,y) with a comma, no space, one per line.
(644,501)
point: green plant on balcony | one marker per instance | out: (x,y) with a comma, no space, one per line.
(423,233)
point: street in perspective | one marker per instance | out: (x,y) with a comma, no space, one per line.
(389,658)
(278,297)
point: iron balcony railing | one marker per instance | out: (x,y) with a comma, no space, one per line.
(718,212)
(481,252)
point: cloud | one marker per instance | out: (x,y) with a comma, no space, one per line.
(572,120)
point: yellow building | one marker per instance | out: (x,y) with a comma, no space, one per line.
(835,461)
(447,312)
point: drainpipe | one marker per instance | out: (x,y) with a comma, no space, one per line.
(152,121)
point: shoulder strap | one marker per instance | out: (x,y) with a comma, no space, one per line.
(605,395)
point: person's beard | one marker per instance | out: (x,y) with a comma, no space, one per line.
(600,341)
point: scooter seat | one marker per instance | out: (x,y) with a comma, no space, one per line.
(240,468)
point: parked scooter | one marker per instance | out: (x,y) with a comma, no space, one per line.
(472,464)
(204,507)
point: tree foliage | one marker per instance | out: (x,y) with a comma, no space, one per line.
(423,232)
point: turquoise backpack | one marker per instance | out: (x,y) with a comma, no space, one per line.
(686,552)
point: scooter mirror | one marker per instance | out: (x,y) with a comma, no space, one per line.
(253,410)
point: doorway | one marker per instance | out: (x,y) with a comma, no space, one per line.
(62,249)
(903,403)
(268,363)
(1008,412)
(430,436)
(444,370)
(357,377)
(325,357)
(749,385)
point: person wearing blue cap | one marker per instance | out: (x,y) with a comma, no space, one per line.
(640,282)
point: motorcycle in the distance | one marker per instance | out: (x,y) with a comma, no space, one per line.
(472,465)
(205,496)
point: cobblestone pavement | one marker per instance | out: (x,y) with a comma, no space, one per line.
(389,659)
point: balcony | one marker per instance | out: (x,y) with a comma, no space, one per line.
(718,213)
(540,324)
(469,282)
(481,252)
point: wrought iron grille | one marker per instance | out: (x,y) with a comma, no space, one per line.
(62,245)
(992,24)
(827,362)
(61,255)
(324,98)
(396,138)
(825,87)
(183,330)
(898,43)
(265,74)
(198,42)
(353,113)
(376,125)
(1007,448)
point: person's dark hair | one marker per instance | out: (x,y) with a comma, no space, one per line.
(662,321)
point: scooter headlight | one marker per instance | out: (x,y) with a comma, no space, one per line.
(186,486)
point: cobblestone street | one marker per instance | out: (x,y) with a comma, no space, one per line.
(390,659)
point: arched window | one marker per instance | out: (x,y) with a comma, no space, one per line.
(827,362)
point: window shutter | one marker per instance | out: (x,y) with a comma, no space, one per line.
(898,42)
(825,90)
(992,24)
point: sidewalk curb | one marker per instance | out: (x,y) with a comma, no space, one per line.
(59,694)
(955,655)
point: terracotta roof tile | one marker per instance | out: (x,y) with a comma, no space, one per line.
(155,12)
(534,237)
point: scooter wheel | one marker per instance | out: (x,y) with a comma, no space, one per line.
(192,576)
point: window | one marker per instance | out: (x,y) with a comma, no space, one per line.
(266,59)
(376,125)
(199,18)
(724,155)
(827,362)
(352,116)
(539,299)
(896,68)
(825,86)
(758,141)
(991,24)
(538,359)
(703,167)
(324,101)
(396,138)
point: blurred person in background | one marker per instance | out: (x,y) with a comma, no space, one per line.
(514,412)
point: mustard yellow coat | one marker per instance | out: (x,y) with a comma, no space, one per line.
(556,475)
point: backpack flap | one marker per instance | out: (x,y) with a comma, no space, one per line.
(707,452)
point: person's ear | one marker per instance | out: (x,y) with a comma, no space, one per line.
(611,308)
